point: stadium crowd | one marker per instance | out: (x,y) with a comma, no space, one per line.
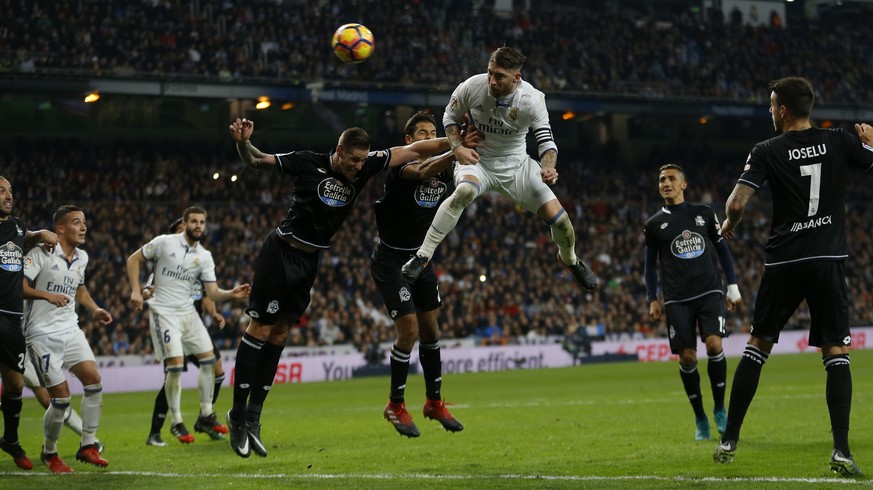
(500,279)
(571,46)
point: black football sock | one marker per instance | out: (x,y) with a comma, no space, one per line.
(247,355)
(399,374)
(11,415)
(429,355)
(159,414)
(263,381)
(743,389)
(717,370)
(839,397)
(218,382)
(691,381)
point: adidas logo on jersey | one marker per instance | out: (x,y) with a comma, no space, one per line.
(55,267)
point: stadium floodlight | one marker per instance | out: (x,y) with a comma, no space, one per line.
(92,97)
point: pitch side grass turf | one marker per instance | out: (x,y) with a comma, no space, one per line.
(617,425)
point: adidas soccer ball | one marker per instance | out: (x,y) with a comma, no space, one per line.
(353,43)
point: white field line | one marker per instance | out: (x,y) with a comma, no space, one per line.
(471,478)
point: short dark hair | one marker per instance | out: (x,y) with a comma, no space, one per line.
(175,224)
(795,93)
(509,58)
(193,210)
(62,212)
(418,117)
(671,166)
(355,138)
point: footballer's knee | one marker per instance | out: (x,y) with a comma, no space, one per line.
(464,194)
(688,358)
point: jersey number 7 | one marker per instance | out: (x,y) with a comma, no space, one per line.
(814,172)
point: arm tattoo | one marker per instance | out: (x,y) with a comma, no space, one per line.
(453,133)
(251,156)
(550,159)
(737,202)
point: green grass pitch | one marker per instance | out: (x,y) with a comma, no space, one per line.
(596,426)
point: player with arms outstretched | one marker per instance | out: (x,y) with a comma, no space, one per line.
(326,186)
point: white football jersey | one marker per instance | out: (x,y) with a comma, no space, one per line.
(504,121)
(50,271)
(178,269)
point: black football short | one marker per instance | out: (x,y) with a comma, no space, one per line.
(684,320)
(822,284)
(12,346)
(400,297)
(283,277)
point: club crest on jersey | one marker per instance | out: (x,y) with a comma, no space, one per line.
(428,194)
(698,220)
(273,307)
(11,257)
(513,113)
(196,262)
(688,245)
(334,193)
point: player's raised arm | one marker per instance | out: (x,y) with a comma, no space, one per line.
(419,150)
(472,138)
(241,131)
(215,293)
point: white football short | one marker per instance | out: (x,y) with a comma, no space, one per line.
(178,334)
(49,355)
(522,183)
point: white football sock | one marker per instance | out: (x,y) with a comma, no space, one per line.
(92,408)
(73,421)
(206,384)
(447,217)
(565,238)
(173,389)
(53,422)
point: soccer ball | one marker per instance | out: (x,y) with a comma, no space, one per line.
(353,43)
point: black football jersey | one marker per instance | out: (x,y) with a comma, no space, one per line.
(322,198)
(808,172)
(404,213)
(685,236)
(12,234)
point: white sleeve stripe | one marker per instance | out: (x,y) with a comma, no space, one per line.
(749,183)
